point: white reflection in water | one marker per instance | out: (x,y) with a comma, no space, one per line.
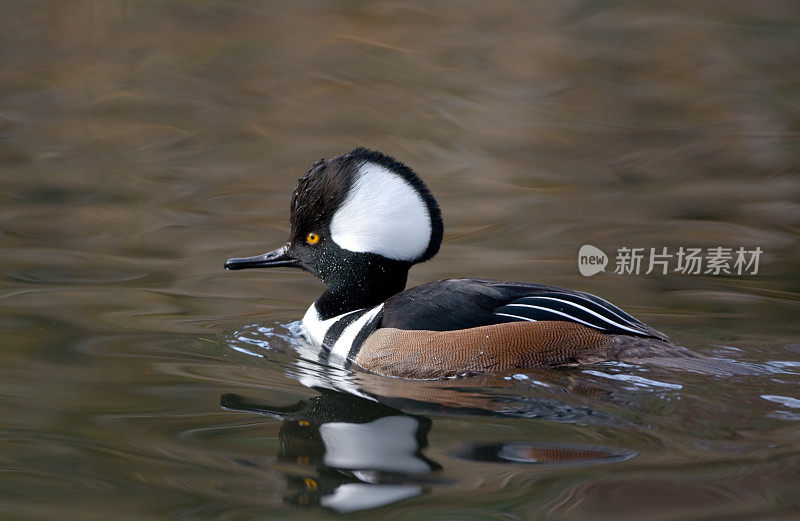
(637,381)
(794,403)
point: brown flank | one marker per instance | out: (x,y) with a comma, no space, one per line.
(436,354)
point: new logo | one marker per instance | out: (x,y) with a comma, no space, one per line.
(591,260)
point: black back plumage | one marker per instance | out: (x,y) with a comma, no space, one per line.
(453,304)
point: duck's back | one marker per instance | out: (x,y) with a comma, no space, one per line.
(454,304)
(460,326)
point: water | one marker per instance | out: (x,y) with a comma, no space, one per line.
(143,144)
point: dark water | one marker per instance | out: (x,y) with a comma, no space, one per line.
(141,144)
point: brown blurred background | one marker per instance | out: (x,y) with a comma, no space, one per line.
(143,143)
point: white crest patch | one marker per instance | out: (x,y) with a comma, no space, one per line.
(382,214)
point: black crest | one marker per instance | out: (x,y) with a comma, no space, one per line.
(319,193)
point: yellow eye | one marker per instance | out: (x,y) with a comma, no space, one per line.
(312,238)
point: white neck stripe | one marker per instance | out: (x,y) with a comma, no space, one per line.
(315,329)
(345,341)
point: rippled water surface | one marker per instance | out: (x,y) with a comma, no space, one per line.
(141,144)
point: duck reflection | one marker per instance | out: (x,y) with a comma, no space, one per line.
(359,444)
(354,453)
(364,454)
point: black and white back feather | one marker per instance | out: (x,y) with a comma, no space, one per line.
(448,305)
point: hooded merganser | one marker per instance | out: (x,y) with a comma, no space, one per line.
(352,453)
(361,220)
(348,453)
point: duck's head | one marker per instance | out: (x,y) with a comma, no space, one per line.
(358,222)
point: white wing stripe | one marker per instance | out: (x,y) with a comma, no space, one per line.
(590,301)
(594,326)
(601,317)
(636,329)
(516,316)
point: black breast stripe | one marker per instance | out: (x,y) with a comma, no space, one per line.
(337,328)
(362,335)
(334,332)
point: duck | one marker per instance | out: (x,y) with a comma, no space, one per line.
(360,221)
(353,453)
